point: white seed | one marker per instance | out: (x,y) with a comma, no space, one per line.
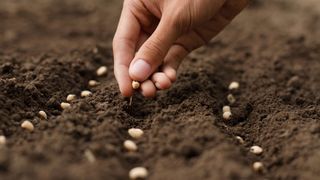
(65,105)
(85,93)
(257,166)
(256,149)
(135,133)
(234,85)
(93,83)
(231,99)
(227,115)
(138,173)
(226,109)
(240,139)
(90,156)
(43,114)
(71,97)
(27,125)
(3,140)
(95,50)
(135,84)
(130,145)
(102,70)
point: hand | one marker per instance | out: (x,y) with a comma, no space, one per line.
(153,37)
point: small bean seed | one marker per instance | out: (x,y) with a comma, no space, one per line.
(65,105)
(95,50)
(85,93)
(93,83)
(71,97)
(27,125)
(3,140)
(138,173)
(256,149)
(135,84)
(135,133)
(227,115)
(101,71)
(234,85)
(90,156)
(226,109)
(231,99)
(240,139)
(43,114)
(257,166)
(130,145)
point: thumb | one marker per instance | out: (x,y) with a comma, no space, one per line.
(151,54)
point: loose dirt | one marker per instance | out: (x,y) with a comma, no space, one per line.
(49,49)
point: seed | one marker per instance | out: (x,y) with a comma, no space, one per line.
(227,115)
(43,114)
(257,166)
(135,133)
(234,85)
(102,70)
(130,145)
(90,156)
(95,50)
(231,99)
(135,84)
(93,83)
(85,93)
(65,105)
(3,140)
(71,97)
(256,149)
(226,109)
(27,125)
(240,139)
(138,173)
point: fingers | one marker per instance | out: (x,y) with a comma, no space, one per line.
(232,8)
(148,89)
(153,51)
(161,80)
(124,45)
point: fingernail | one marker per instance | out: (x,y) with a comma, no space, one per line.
(140,70)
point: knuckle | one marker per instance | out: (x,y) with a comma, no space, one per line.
(153,48)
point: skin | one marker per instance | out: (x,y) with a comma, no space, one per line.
(154,36)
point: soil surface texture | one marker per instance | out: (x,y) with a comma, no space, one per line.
(52,48)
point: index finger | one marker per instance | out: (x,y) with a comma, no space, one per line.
(124,45)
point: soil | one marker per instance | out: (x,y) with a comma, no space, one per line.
(49,49)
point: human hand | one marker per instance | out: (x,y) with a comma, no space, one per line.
(153,37)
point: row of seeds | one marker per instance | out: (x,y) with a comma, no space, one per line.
(227,115)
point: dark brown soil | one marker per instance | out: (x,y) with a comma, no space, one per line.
(46,53)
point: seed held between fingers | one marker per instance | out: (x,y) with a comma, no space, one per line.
(138,173)
(101,71)
(27,125)
(256,149)
(135,133)
(71,97)
(135,84)
(3,140)
(65,105)
(130,145)
(234,85)
(257,166)
(86,93)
